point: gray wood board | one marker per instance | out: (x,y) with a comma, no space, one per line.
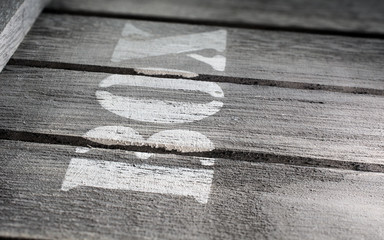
(274,56)
(319,125)
(246,200)
(16,18)
(354,15)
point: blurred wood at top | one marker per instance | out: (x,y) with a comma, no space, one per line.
(352,16)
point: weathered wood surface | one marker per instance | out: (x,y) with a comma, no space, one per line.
(354,15)
(325,128)
(16,18)
(112,45)
(246,200)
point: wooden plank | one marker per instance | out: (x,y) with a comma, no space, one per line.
(16,18)
(298,60)
(353,15)
(239,121)
(246,200)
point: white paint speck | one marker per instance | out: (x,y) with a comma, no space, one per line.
(187,182)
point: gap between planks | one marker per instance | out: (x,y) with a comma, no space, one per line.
(200,77)
(235,155)
(242,25)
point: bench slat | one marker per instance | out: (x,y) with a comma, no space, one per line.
(314,127)
(354,15)
(298,60)
(246,199)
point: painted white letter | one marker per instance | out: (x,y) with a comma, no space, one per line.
(158,111)
(143,178)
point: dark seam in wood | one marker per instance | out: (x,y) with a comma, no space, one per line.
(201,77)
(204,22)
(261,157)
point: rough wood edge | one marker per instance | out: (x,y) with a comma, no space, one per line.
(17,27)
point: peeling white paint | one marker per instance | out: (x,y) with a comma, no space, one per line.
(181,141)
(166,71)
(217,62)
(115,135)
(207,161)
(158,111)
(131,31)
(211,88)
(136,43)
(82,149)
(178,140)
(130,48)
(187,182)
(143,155)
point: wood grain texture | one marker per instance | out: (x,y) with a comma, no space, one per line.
(16,18)
(247,201)
(315,125)
(340,15)
(274,56)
